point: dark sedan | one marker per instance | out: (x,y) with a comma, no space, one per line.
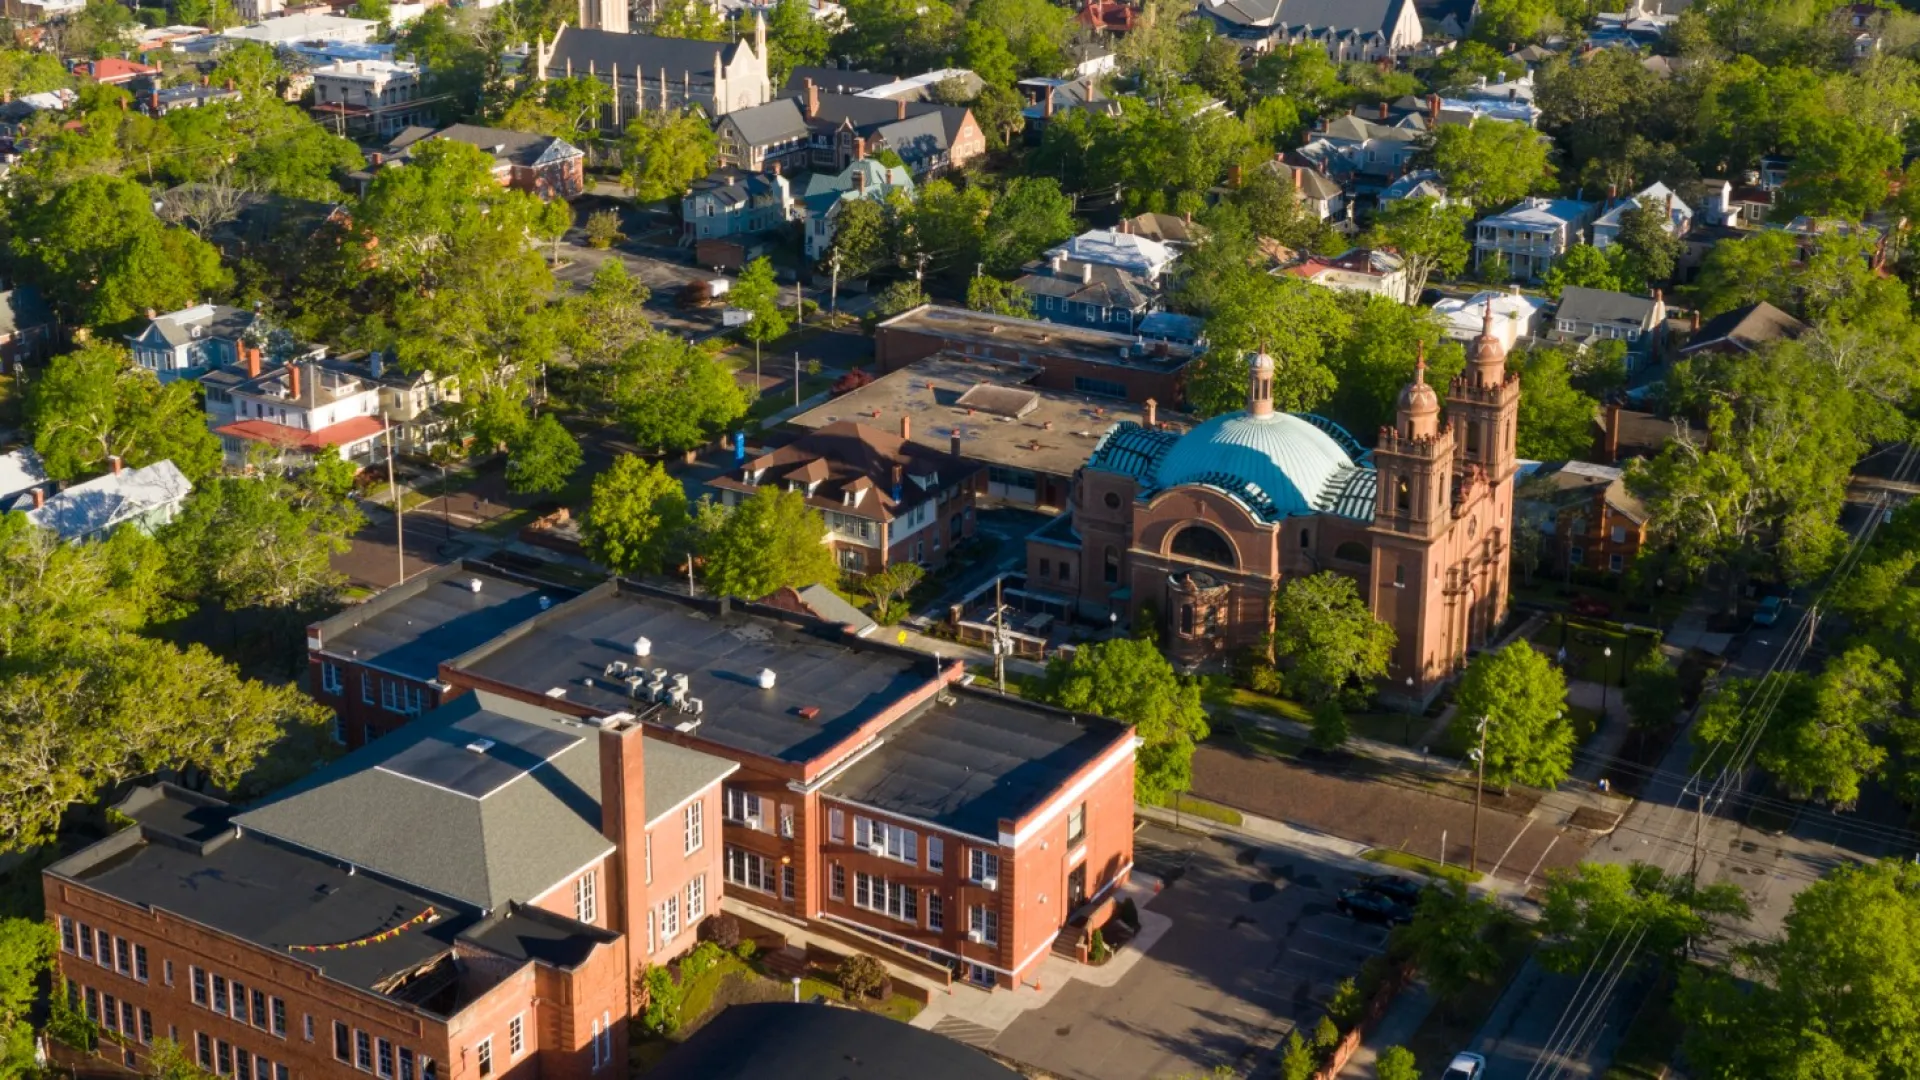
(1372,907)
(1398,889)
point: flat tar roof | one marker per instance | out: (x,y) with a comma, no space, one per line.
(747,1042)
(1039,338)
(410,628)
(824,687)
(971,764)
(256,890)
(929,392)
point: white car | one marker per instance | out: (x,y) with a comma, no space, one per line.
(1466,1067)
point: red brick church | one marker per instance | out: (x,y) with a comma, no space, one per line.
(1198,531)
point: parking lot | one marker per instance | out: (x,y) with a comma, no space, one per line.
(1256,947)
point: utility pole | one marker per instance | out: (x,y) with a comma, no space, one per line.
(1479,782)
(689,573)
(833,293)
(796,378)
(399,512)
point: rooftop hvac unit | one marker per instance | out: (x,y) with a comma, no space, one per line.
(767,678)
(637,686)
(642,647)
(615,670)
(679,684)
(686,726)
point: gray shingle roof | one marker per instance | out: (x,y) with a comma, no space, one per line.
(763,125)
(515,843)
(1581,304)
(601,50)
(1352,16)
(523,148)
(1747,328)
(23,308)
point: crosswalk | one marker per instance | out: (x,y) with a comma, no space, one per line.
(965,1031)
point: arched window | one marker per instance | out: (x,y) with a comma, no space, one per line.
(1113,567)
(1402,495)
(1202,543)
(1351,551)
(1186,619)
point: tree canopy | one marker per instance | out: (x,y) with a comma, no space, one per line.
(637,517)
(1127,679)
(1323,627)
(94,403)
(771,540)
(1522,698)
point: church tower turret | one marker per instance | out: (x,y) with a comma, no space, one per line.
(1484,405)
(1414,462)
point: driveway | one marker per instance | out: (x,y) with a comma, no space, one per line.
(1255,948)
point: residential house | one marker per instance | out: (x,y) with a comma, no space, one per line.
(144,498)
(828,193)
(1104,278)
(1108,16)
(658,74)
(1586,316)
(1177,231)
(23,480)
(298,408)
(1658,198)
(1450,19)
(377,664)
(253,11)
(1590,517)
(876,792)
(1361,270)
(1719,207)
(1621,434)
(831,80)
(373,97)
(415,405)
(28,329)
(1419,184)
(115,70)
(922,87)
(1318,193)
(1048,96)
(158,101)
(1362,154)
(1363,30)
(191,342)
(543,165)
(885,498)
(476,895)
(731,204)
(1532,234)
(765,138)
(17,113)
(1516,316)
(1073,359)
(1743,330)
(931,139)
(989,414)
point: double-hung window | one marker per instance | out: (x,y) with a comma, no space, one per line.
(748,869)
(886,897)
(983,925)
(695,827)
(881,838)
(696,898)
(1077,825)
(586,902)
(936,853)
(330,676)
(936,911)
(742,808)
(670,917)
(983,867)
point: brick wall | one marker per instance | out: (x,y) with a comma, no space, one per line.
(359,718)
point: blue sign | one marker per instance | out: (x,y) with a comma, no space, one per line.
(739,447)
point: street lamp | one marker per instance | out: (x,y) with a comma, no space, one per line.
(1606,676)
(1479,756)
(1406,734)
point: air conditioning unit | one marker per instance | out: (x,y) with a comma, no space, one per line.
(878,847)
(991,884)
(976,936)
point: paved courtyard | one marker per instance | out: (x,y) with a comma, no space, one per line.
(1255,946)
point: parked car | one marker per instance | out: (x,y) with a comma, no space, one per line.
(1365,906)
(1591,607)
(1466,1067)
(1768,612)
(1400,890)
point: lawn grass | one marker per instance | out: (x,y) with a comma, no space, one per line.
(1647,1048)
(1420,864)
(1254,737)
(896,1007)
(1586,644)
(1398,728)
(1242,698)
(698,995)
(781,399)
(1189,806)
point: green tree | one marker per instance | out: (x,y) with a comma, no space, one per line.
(1298,1062)
(608,318)
(1031,216)
(1396,1063)
(985,51)
(1290,320)
(897,35)
(1837,994)
(170,1061)
(253,68)
(637,516)
(1001,114)
(1652,693)
(376,10)
(889,589)
(94,403)
(102,256)
(1217,69)
(1378,358)
(100,28)
(1330,729)
(1522,698)
(1490,163)
(1036,32)
(1275,121)
(263,541)
(1430,237)
(693,20)
(1649,252)
(1324,629)
(771,540)
(1275,210)
(670,393)
(758,291)
(1129,680)
(863,236)
(664,152)
(1447,939)
(1586,909)
(949,225)
(1555,421)
(1587,267)
(996,297)
(795,38)
(543,457)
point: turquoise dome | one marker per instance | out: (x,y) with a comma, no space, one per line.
(1283,457)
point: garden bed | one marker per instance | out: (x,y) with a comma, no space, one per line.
(1420,864)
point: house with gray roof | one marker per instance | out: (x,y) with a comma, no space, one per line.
(1532,235)
(1743,330)
(543,165)
(188,343)
(734,204)
(827,194)
(27,327)
(1107,279)
(765,137)
(23,480)
(659,74)
(1363,30)
(144,498)
(1586,316)
(1676,217)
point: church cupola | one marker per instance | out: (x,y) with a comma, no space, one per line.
(1487,366)
(1260,385)
(1418,414)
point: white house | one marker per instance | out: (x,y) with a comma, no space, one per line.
(1532,234)
(1515,316)
(1379,273)
(1658,198)
(1364,30)
(297,409)
(378,97)
(144,498)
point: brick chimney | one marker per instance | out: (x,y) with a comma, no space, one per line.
(906,427)
(859,149)
(114,463)
(859,180)
(813,100)
(1153,413)
(1433,107)
(623,820)
(251,353)
(901,112)
(293,381)
(1233,176)
(1047,108)
(1696,320)
(1611,448)
(1299,177)
(954,446)
(40,494)
(1383,110)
